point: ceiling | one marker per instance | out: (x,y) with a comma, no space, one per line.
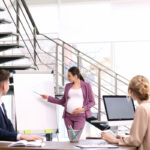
(44,2)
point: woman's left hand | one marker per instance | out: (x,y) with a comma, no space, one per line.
(109,138)
(78,111)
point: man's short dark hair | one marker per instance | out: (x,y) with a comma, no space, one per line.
(4,75)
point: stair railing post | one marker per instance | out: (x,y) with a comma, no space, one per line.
(34,44)
(63,64)
(116,84)
(78,59)
(99,94)
(57,89)
(17,21)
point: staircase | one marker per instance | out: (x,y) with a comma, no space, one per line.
(104,81)
(4,59)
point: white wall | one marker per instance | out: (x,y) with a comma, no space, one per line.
(78,22)
(131,23)
(126,23)
(130,20)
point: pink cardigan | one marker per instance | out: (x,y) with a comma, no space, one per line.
(87,95)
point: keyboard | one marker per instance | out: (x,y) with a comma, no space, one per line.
(97,142)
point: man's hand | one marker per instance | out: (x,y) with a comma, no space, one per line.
(78,111)
(30,137)
(44,96)
(109,138)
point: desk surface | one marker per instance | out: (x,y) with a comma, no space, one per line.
(55,146)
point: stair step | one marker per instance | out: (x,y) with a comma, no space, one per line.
(4,59)
(7,34)
(4,47)
(4,21)
(13,68)
(2,9)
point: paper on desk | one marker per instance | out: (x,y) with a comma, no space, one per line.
(24,143)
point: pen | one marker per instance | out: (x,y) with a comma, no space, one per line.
(36,93)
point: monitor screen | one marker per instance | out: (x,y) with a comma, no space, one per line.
(119,108)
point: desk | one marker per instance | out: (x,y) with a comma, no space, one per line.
(55,146)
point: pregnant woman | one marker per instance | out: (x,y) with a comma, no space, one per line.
(77,100)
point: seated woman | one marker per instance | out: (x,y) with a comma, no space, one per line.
(139,89)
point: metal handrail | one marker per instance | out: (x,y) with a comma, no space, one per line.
(91,58)
(87,60)
(66,79)
(101,85)
(91,72)
(29,15)
(87,77)
(25,17)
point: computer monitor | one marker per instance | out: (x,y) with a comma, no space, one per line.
(119,108)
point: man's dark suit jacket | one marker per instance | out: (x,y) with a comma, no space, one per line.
(7,132)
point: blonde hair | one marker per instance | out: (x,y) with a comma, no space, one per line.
(140,86)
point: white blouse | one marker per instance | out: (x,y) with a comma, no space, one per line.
(75,100)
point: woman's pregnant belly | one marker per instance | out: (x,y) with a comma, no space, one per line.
(72,104)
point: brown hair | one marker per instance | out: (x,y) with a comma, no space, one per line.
(75,71)
(140,86)
(4,75)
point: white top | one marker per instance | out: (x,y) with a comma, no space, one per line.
(1,106)
(75,100)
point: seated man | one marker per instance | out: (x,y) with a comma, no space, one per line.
(7,132)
